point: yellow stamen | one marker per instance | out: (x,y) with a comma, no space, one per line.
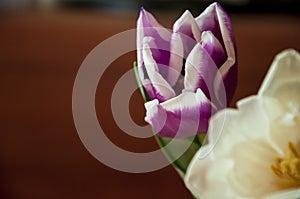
(288,167)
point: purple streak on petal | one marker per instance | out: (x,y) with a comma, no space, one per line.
(161,88)
(228,70)
(213,47)
(200,71)
(230,83)
(148,26)
(149,88)
(215,19)
(207,20)
(183,116)
(152,91)
(224,25)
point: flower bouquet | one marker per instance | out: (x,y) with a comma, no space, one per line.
(187,77)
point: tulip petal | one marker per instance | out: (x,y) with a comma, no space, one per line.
(213,47)
(176,59)
(160,87)
(187,25)
(215,19)
(228,81)
(147,26)
(283,83)
(290,194)
(228,70)
(238,153)
(200,71)
(188,30)
(182,116)
(208,20)
(185,35)
(283,80)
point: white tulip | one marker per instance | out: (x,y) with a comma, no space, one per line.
(253,152)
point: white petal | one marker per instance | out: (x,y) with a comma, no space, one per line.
(233,153)
(199,172)
(176,59)
(290,194)
(283,80)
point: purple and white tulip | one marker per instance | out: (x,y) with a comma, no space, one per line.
(188,73)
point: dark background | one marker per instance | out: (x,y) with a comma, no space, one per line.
(42,45)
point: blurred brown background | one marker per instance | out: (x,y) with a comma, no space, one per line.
(41,50)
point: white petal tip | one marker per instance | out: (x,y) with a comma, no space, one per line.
(151,108)
(285,67)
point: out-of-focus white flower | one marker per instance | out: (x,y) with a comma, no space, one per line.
(254,152)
